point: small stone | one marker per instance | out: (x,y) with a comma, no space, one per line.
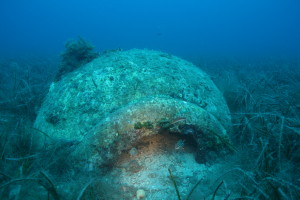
(140,194)
(133,151)
(134,167)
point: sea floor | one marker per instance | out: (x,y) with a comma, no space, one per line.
(146,167)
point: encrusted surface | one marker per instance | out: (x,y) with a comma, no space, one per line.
(86,96)
(138,113)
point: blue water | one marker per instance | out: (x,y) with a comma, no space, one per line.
(186,28)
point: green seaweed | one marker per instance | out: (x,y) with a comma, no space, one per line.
(146,125)
(49,186)
(138,125)
(176,187)
(164,124)
(76,53)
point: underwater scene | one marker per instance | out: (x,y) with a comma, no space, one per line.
(150,100)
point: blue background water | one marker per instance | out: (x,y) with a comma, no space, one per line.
(186,28)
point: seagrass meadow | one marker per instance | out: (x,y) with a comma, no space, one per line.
(144,124)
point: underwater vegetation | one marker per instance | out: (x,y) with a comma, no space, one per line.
(264,107)
(77,53)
